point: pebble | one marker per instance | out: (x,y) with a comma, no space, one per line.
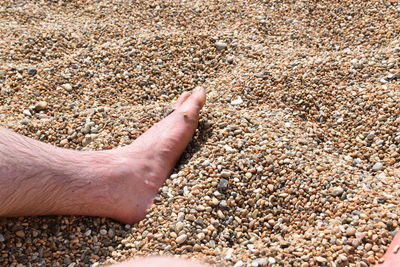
(226,174)
(103,232)
(259,262)
(377,167)
(2,239)
(25,121)
(179,226)
(240,263)
(223,184)
(350,231)
(221,45)
(20,233)
(206,163)
(320,259)
(64,142)
(201,236)
(237,101)
(181,239)
(337,191)
(41,105)
(32,71)
(67,87)
(181,216)
(27,112)
(392,77)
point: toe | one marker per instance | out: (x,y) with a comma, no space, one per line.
(195,102)
(182,98)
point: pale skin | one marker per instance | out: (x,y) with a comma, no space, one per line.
(41,179)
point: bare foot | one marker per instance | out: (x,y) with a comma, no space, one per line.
(141,168)
(39,179)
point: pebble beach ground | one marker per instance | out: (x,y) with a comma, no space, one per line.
(296,159)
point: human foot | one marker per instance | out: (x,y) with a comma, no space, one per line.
(141,168)
(39,179)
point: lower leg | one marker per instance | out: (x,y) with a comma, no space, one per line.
(40,179)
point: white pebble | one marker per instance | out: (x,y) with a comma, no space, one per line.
(27,112)
(239,264)
(220,45)
(181,239)
(377,167)
(237,101)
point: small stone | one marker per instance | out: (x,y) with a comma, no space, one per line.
(371,259)
(350,231)
(237,101)
(64,142)
(377,167)
(27,112)
(20,233)
(226,174)
(302,141)
(229,149)
(86,141)
(25,121)
(320,259)
(239,264)
(221,45)
(248,175)
(67,87)
(223,184)
(196,247)
(392,77)
(181,216)
(368,246)
(32,71)
(342,258)
(41,105)
(220,214)
(270,187)
(201,236)
(111,233)
(206,163)
(337,191)
(214,201)
(179,226)
(2,238)
(190,217)
(284,244)
(259,262)
(181,239)
(103,232)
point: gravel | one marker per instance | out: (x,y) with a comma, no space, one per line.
(309,155)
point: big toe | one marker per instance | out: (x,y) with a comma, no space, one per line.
(195,102)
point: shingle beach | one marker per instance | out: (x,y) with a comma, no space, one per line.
(296,160)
